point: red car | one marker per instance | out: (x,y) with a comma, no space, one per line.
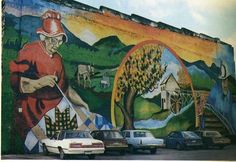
(112,139)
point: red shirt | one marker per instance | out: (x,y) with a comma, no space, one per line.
(34,62)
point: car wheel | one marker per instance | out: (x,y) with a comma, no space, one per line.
(122,152)
(62,154)
(206,146)
(132,149)
(92,156)
(45,150)
(179,147)
(153,151)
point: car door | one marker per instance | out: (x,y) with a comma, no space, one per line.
(127,135)
(51,144)
(171,142)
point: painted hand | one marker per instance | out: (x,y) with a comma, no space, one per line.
(48,80)
(29,85)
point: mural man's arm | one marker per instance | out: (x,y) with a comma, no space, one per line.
(31,85)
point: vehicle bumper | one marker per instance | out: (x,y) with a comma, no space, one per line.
(146,146)
(194,145)
(84,151)
(116,148)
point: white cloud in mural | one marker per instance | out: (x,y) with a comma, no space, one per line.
(88,36)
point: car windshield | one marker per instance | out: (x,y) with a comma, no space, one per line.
(213,134)
(77,134)
(142,134)
(112,135)
(188,134)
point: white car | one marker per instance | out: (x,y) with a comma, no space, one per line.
(73,142)
(142,139)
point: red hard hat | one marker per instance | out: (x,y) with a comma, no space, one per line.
(51,25)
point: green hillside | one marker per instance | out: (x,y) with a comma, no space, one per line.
(143,109)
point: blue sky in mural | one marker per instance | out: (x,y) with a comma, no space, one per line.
(173,66)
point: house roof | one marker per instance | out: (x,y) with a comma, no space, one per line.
(167,79)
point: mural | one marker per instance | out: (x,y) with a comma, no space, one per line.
(152,89)
(70,66)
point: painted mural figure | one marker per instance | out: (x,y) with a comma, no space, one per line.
(221,97)
(39,81)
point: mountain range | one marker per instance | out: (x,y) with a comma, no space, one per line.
(112,44)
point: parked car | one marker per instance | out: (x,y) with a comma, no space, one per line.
(142,139)
(213,138)
(73,142)
(112,139)
(183,140)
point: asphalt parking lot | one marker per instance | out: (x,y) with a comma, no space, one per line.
(228,153)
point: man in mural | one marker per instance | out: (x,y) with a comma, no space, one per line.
(38,79)
(221,97)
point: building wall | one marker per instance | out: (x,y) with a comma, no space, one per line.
(104,39)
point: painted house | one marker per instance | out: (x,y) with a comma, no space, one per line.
(169,86)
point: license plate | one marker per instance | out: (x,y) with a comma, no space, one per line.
(194,141)
(88,152)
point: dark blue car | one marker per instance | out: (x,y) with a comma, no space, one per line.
(183,140)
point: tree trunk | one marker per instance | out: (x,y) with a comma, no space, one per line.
(129,107)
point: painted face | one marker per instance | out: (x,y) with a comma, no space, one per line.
(53,43)
(225,86)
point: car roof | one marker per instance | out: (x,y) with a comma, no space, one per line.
(111,130)
(69,131)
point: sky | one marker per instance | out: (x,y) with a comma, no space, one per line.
(216,18)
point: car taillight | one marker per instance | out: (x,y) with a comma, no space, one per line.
(98,145)
(76,145)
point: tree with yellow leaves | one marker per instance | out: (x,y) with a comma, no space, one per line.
(140,75)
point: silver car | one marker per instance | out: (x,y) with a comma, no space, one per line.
(143,140)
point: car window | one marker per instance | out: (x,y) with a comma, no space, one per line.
(189,134)
(54,136)
(77,134)
(61,135)
(112,135)
(171,134)
(142,134)
(94,134)
(175,135)
(126,134)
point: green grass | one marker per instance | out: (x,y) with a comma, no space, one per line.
(162,115)
(143,109)
(97,87)
(98,102)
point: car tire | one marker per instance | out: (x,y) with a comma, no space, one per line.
(179,146)
(206,146)
(62,154)
(92,156)
(45,150)
(122,152)
(153,151)
(132,149)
